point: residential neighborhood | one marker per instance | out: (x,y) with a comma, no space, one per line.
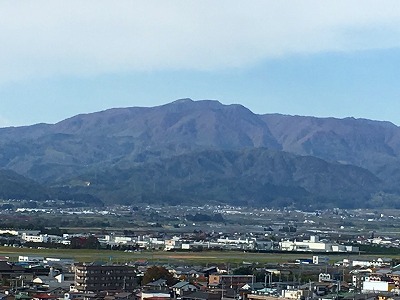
(311,255)
(33,277)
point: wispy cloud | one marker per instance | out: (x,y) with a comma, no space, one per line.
(55,38)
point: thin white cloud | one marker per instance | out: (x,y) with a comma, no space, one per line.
(74,37)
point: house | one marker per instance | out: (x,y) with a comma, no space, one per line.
(73,295)
(232,281)
(257,288)
(65,277)
(183,287)
(210,270)
(202,296)
(47,281)
(184,273)
(296,293)
(158,285)
(155,295)
(253,286)
(59,292)
(201,285)
(124,296)
(43,296)
(11,272)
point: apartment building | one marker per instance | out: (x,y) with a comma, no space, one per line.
(96,278)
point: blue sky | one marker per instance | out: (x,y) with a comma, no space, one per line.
(321,58)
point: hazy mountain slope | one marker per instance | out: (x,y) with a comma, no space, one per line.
(130,134)
(15,186)
(374,145)
(252,177)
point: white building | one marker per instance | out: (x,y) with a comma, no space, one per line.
(375,284)
(379,262)
(173,243)
(314,244)
(57,260)
(22,258)
(306,245)
(19,232)
(41,238)
(296,293)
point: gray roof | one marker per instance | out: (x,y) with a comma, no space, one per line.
(196,295)
(255,285)
(158,282)
(180,284)
(123,295)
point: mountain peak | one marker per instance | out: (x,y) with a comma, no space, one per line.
(189,101)
(183,100)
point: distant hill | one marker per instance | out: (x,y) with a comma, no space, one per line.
(256,177)
(370,144)
(15,186)
(130,154)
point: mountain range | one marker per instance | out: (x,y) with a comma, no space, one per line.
(204,152)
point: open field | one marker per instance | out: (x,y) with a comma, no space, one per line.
(202,258)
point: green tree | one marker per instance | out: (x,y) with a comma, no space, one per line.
(244,270)
(90,242)
(155,273)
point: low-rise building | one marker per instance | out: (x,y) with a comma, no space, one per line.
(375,283)
(92,278)
(315,245)
(30,258)
(232,281)
(40,238)
(183,287)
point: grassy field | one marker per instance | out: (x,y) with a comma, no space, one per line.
(202,258)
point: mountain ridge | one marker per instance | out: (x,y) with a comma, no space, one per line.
(249,177)
(135,137)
